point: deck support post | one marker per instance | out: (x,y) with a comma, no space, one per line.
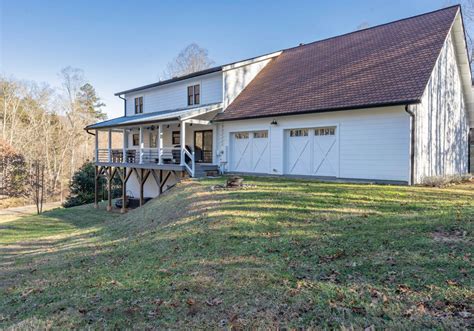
(109,188)
(96,186)
(141,187)
(160,188)
(124,178)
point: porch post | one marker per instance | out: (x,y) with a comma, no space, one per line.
(125,146)
(183,141)
(96,185)
(141,145)
(109,146)
(96,145)
(159,142)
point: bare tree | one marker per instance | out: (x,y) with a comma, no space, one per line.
(191,59)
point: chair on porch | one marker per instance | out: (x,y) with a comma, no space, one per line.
(131,156)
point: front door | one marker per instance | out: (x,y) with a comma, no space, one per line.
(203,146)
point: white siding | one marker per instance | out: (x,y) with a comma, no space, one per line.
(373,143)
(236,79)
(441,144)
(174,95)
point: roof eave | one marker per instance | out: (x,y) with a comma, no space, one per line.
(315,111)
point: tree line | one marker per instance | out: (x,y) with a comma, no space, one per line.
(44,125)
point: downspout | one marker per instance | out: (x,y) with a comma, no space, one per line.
(412,143)
(124,105)
(469,137)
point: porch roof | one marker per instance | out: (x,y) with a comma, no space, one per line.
(159,116)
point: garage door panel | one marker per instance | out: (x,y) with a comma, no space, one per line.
(325,155)
(250,152)
(260,157)
(312,152)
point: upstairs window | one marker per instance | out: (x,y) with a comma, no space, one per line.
(194,95)
(139,105)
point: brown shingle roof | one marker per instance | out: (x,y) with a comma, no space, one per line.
(383,65)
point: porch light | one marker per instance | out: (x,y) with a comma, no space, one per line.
(274,122)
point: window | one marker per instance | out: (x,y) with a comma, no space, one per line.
(299,133)
(194,95)
(153,139)
(260,134)
(139,105)
(241,135)
(176,137)
(135,139)
(329,131)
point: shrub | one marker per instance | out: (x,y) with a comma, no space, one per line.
(82,186)
(443,181)
(13,171)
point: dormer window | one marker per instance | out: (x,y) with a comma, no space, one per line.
(139,105)
(194,95)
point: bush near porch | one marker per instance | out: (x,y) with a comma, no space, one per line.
(277,253)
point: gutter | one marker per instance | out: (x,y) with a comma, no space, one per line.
(92,134)
(412,143)
(124,105)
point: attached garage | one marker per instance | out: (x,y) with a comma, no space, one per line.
(312,151)
(250,152)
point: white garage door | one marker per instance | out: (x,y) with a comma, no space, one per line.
(313,152)
(250,152)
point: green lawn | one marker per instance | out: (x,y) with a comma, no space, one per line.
(279,253)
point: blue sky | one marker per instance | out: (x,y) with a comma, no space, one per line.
(124,44)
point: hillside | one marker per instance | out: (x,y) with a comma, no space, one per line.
(277,253)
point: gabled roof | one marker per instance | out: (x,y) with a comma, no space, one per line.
(384,65)
(155,117)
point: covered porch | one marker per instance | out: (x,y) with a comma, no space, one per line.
(169,141)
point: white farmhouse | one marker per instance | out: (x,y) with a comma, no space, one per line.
(390,103)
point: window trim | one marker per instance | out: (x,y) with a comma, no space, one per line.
(139,98)
(260,134)
(133,139)
(242,135)
(325,131)
(304,131)
(172,137)
(193,98)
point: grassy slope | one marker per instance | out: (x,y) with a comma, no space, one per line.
(284,252)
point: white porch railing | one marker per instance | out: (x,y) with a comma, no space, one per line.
(164,155)
(190,168)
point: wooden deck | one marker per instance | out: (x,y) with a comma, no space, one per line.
(156,166)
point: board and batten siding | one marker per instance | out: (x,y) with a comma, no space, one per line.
(237,79)
(373,143)
(174,95)
(442,126)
